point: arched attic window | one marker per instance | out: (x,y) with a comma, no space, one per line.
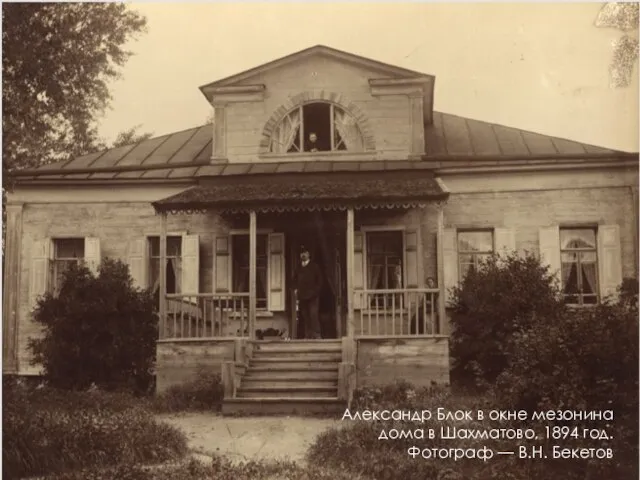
(317,127)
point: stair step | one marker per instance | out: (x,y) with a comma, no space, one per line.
(287,383)
(296,358)
(291,391)
(283,406)
(297,349)
(290,374)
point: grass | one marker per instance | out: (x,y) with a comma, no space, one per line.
(54,431)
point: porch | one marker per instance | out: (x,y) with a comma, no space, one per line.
(382,309)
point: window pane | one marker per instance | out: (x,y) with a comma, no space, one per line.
(569,271)
(571,238)
(154,246)
(572,299)
(174,246)
(69,248)
(394,276)
(479,241)
(154,273)
(590,299)
(588,278)
(464,268)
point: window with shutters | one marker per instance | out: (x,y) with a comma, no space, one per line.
(173,265)
(66,252)
(474,246)
(579,265)
(240,270)
(385,253)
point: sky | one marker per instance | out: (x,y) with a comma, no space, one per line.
(539,67)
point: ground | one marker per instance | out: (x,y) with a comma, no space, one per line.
(249,438)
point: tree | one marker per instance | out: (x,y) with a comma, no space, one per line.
(127,137)
(57,60)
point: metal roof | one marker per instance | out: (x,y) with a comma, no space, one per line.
(186,155)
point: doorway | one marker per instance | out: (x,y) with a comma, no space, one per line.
(327,250)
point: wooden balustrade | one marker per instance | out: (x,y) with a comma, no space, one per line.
(396,312)
(205,315)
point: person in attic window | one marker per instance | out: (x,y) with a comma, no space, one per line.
(312,143)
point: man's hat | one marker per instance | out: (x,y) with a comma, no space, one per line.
(303,249)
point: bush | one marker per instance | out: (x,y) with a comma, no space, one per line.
(205,392)
(356,447)
(586,360)
(57,431)
(491,304)
(98,330)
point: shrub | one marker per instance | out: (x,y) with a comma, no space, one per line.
(97,330)
(586,360)
(205,392)
(492,303)
(356,447)
(57,431)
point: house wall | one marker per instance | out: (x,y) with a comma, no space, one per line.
(180,361)
(523,202)
(421,361)
(389,116)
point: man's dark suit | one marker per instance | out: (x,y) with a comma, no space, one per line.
(308,282)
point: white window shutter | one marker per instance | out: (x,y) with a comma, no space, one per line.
(411,259)
(549,245)
(358,267)
(92,255)
(222,264)
(505,241)
(276,272)
(190,278)
(609,260)
(40,275)
(450,261)
(138,258)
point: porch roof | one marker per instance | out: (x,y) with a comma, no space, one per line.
(309,192)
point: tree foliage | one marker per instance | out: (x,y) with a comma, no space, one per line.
(98,329)
(490,305)
(127,137)
(57,62)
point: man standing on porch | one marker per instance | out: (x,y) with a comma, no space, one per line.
(308,283)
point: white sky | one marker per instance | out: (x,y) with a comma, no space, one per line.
(539,67)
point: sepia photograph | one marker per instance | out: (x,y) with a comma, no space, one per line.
(320,241)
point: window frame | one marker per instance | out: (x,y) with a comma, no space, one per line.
(260,231)
(332,129)
(373,229)
(151,257)
(475,254)
(580,294)
(53,269)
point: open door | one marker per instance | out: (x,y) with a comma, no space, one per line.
(324,251)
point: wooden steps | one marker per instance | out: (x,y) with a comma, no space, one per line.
(289,377)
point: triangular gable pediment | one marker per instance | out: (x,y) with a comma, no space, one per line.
(376,68)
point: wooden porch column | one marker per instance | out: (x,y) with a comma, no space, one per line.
(350,267)
(253,244)
(163,275)
(440,260)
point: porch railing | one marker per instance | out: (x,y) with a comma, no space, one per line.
(205,315)
(396,312)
